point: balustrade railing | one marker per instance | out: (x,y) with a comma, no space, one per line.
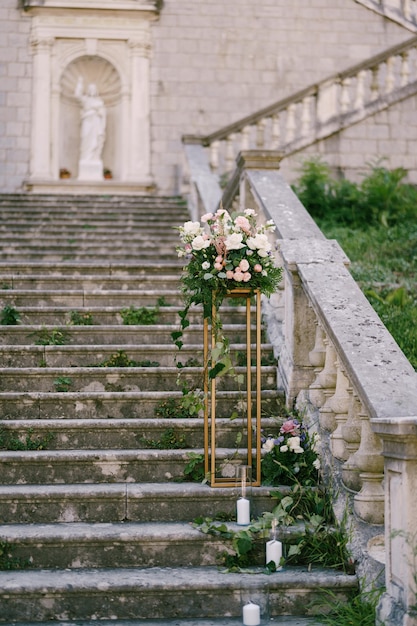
(319,110)
(402,11)
(338,363)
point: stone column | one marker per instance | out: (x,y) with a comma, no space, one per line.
(399,436)
(41,108)
(138,130)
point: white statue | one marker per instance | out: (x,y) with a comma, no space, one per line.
(93,132)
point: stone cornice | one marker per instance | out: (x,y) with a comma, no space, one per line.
(152,6)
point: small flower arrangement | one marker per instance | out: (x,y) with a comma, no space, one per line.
(226,252)
(291,457)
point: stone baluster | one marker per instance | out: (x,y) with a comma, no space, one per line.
(229,158)
(275,132)
(339,404)
(317,355)
(260,134)
(389,78)
(306,116)
(351,431)
(405,70)
(290,130)
(374,83)
(245,138)
(326,378)
(345,96)
(369,502)
(407,9)
(360,90)
(214,156)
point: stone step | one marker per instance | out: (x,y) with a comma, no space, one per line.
(161,593)
(130,433)
(285,620)
(165,355)
(78,298)
(86,250)
(109,315)
(57,201)
(92,283)
(113,405)
(104,379)
(18,269)
(118,545)
(122,334)
(102,466)
(121,502)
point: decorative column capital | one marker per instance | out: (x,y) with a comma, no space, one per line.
(41,44)
(140,47)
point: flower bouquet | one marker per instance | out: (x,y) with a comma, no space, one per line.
(226,252)
(291,457)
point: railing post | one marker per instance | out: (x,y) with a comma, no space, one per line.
(397,606)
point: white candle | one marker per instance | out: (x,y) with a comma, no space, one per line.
(274,552)
(243,511)
(251,614)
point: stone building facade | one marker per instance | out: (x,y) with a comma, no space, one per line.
(181,67)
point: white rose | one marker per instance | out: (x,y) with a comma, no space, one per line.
(199,243)
(259,242)
(268,445)
(192,228)
(249,212)
(283,449)
(317,464)
(205,265)
(294,445)
(234,241)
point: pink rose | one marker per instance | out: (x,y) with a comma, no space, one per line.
(230,274)
(238,276)
(242,223)
(258,268)
(244,265)
(289,428)
(218,266)
(246,277)
(207,217)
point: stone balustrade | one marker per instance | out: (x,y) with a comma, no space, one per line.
(337,363)
(318,111)
(402,11)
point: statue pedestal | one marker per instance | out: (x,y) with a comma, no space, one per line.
(90,170)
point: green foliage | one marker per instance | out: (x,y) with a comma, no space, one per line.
(142,316)
(8,561)
(169,440)
(9,316)
(191,404)
(376,225)
(121,359)
(194,468)
(63,383)
(381,198)
(359,610)
(81,319)
(9,441)
(51,337)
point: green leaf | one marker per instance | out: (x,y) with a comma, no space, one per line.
(208,276)
(214,371)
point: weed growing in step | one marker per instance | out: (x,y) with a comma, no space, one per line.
(121,359)
(51,337)
(9,441)
(142,316)
(8,561)
(81,319)
(63,383)
(9,316)
(194,468)
(191,404)
(169,440)
(6,286)
(359,610)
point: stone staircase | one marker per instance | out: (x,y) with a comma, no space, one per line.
(100,518)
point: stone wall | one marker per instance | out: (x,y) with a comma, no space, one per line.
(211,63)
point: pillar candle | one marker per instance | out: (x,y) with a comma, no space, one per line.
(251,614)
(274,552)
(243,511)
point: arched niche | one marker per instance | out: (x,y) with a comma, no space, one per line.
(92,69)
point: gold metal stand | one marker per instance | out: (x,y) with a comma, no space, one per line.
(252,455)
